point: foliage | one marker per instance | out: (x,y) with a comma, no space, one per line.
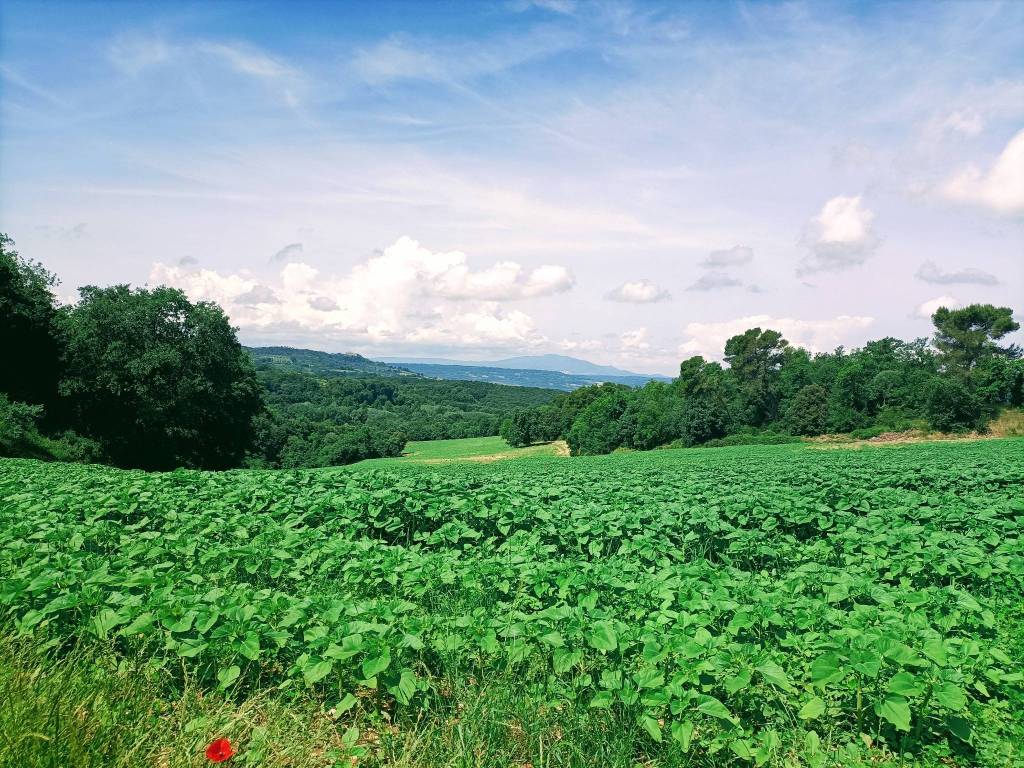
(159,381)
(721,607)
(807,413)
(755,358)
(321,364)
(886,385)
(966,336)
(30,344)
(950,405)
(319,421)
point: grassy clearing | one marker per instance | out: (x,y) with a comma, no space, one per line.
(482,449)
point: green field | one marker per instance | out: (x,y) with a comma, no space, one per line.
(775,605)
(472,449)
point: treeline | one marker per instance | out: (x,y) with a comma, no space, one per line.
(146,378)
(771,390)
(312,421)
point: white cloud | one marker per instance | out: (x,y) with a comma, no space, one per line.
(708,339)
(635,341)
(930,272)
(1000,188)
(730,257)
(966,121)
(841,236)
(638,292)
(555,6)
(404,294)
(136,54)
(927,309)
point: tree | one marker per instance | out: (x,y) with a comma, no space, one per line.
(705,410)
(516,430)
(159,381)
(755,357)
(808,411)
(651,416)
(596,429)
(966,336)
(951,405)
(27,329)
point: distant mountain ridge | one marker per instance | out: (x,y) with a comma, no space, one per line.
(323,363)
(572,366)
(560,372)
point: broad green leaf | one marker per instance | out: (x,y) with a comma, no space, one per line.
(603,636)
(228,675)
(895,709)
(651,726)
(775,675)
(377,664)
(950,696)
(827,669)
(683,733)
(709,705)
(813,708)
(316,671)
(905,684)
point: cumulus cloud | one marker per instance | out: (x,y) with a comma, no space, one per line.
(1000,188)
(713,281)
(931,273)
(729,257)
(638,292)
(708,339)
(635,341)
(927,308)
(288,252)
(840,236)
(403,294)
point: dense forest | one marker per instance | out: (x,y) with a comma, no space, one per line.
(771,390)
(146,378)
(312,421)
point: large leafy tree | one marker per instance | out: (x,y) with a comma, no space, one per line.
(967,336)
(159,381)
(27,335)
(755,358)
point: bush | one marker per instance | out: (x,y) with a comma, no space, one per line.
(868,432)
(17,426)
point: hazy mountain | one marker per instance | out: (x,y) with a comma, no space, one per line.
(559,363)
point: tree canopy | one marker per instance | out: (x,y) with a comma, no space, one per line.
(159,381)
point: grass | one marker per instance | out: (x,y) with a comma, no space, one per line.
(469,449)
(94,708)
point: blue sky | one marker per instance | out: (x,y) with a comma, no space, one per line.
(626,182)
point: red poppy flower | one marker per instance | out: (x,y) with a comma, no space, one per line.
(219,750)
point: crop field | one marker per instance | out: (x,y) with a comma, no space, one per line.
(771,605)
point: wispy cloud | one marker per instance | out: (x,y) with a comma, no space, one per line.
(930,272)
